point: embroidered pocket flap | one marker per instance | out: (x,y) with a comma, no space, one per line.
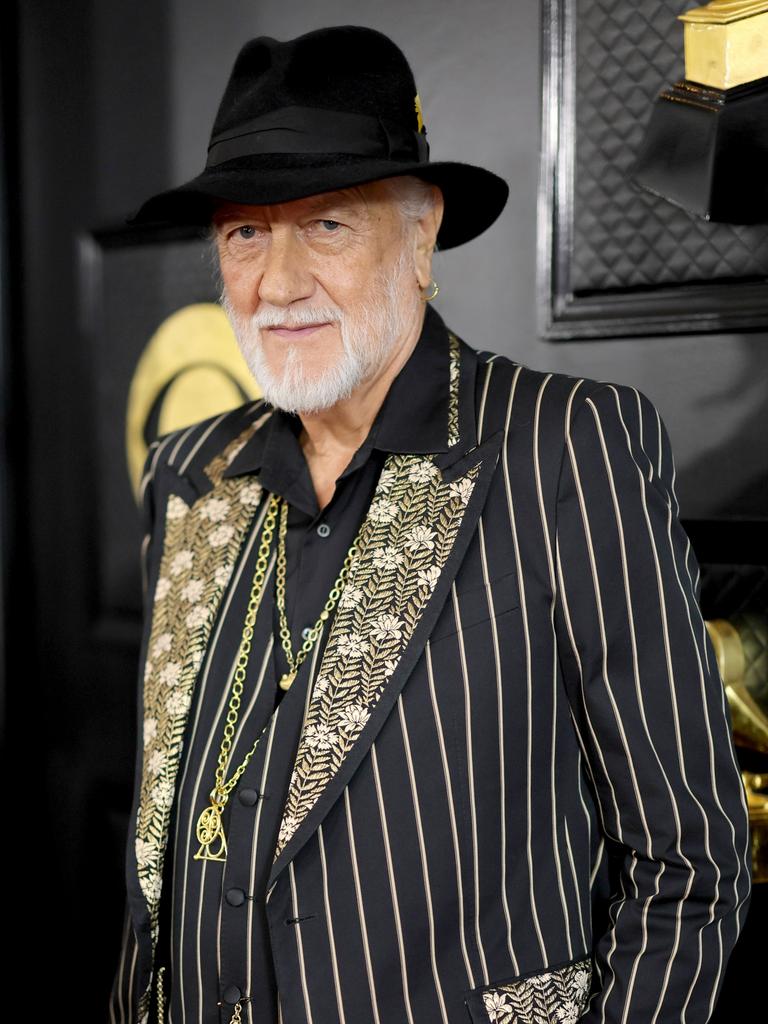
(555,995)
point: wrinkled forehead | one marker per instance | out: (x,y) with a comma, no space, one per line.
(362,201)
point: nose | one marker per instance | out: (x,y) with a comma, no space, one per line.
(285,277)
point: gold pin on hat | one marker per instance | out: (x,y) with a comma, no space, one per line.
(419,117)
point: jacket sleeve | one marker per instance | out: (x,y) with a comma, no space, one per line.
(122,997)
(652,718)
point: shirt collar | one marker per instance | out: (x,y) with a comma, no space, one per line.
(413,418)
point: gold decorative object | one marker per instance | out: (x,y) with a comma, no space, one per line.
(726,42)
(210,827)
(193,368)
(735,648)
(756,786)
(419,113)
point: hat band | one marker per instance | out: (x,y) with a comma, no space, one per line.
(315,130)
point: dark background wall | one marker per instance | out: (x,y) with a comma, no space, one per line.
(115,101)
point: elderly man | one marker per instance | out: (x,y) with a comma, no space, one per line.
(453,745)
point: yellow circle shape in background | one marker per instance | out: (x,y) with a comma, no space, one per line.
(191,365)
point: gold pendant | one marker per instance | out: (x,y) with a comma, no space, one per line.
(209,829)
(287,679)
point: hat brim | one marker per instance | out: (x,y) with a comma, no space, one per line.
(474,197)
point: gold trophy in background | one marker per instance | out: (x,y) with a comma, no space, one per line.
(706,143)
(741,647)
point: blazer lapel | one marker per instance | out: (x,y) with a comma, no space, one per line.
(201,542)
(416,531)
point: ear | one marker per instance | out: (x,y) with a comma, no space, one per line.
(426,236)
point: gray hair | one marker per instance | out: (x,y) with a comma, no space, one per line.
(413,195)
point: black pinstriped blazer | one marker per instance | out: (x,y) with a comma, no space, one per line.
(515,797)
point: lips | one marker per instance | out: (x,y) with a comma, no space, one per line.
(297,332)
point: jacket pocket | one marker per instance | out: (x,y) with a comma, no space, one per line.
(473,605)
(554,995)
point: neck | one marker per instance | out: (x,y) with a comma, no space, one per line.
(335,432)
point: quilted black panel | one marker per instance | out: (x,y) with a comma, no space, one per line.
(731,590)
(626,52)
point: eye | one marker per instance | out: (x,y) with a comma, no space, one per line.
(248,231)
(330,225)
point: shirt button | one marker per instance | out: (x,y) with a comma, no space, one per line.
(231,994)
(249,797)
(323,529)
(306,631)
(235,898)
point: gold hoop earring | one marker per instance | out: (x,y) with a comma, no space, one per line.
(436,287)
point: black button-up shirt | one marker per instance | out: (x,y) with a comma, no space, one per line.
(214,933)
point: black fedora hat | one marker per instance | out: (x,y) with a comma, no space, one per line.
(333,108)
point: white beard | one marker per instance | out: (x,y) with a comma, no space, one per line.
(368,336)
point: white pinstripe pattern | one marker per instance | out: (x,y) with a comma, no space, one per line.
(670,676)
(255,845)
(270,734)
(118,984)
(361,909)
(575,882)
(180,436)
(449,789)
(567,616)
(299,946)
(577,657)
(528,665)
(582,510)
(501,720)
(598,861)
(483,399)
(205,434)
(154,452)
(628,755)
(416,803)
(238,750)
(331,936)
(470,766)
(670,671)
(689,614)
(631,632)
(555,679)
(396,902)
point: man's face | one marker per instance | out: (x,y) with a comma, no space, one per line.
(319,291)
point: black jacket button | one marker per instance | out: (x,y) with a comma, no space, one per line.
(235,898)
(249,797)
(231,994)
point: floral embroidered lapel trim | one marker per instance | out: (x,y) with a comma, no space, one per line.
(404,542)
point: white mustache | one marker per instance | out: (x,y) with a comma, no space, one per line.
(297,317)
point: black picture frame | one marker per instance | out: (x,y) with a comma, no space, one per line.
(731,305)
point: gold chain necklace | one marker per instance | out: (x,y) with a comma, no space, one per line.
(209,827)
(335,593)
